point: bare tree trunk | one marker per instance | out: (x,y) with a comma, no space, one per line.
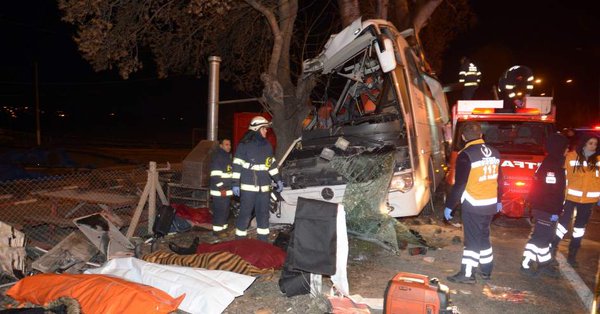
(281,98)
(349,10)
(277,36)
(401,14)
(424,13)
(382,9)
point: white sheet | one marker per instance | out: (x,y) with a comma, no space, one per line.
(340,278)
(206,291)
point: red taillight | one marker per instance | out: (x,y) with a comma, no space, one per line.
(520,183)
(483,111)
(597,127)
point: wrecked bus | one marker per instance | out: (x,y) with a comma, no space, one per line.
(520,138)
(376,97)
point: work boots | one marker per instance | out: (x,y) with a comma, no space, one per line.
(549,270)
(571,258)
(553,251)
(530,271)
(460,277)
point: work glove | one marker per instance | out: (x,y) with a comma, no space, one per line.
(554,218)
(236,190)
(448,213)
(498,207)
(223,192)
(279,186)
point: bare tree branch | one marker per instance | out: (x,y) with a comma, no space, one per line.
(382,9)
(349,10)
(424,13)
(277,35)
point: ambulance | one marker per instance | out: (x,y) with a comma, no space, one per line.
(520,137)
(379,97)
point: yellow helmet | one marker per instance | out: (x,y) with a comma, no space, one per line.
(258,122)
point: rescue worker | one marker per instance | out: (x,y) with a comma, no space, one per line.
(470,77)
(514,85)
(476,187)
(254,168)
(546,198)
(221,172)
(583,191)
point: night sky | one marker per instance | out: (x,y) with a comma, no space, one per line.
(557,39)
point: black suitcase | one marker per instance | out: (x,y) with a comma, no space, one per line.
(164,221)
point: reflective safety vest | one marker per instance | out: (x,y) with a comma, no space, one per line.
(221,172)
(254,166)
(583,181)
(469,75)
(482,184)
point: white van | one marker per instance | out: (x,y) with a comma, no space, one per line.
(379,98)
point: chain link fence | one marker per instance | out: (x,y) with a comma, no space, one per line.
(44,208)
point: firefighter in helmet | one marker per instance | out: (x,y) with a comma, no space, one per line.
(514,85)
(254,168)
(470,77)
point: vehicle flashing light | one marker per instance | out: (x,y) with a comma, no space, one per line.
(483,111)
(528,110)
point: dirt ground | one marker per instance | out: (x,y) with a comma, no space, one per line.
(370,267)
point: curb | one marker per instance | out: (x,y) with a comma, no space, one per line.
(585,294)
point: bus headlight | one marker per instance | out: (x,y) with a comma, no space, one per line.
(402,182)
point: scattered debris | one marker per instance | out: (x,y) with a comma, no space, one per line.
(12,251)
(347,306)
(418,250)
(499,293)
(429,259)
(68,256)
(467,292)
(101,231)
(456,240)
(372,303)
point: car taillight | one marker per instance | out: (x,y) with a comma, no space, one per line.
(520,183)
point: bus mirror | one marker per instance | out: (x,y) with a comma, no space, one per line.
(386,57)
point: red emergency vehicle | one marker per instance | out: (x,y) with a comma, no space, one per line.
(520,137)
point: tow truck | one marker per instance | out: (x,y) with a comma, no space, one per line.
(520,137)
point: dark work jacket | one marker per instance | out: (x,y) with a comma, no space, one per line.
(254,166)
(548,190)
(220,172)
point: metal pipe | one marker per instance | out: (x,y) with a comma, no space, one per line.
(213,98)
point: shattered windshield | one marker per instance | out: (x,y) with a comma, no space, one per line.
(356,92)
(511,136)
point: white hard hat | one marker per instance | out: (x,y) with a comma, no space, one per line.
(258,122)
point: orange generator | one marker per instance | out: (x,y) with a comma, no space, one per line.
(410,293)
